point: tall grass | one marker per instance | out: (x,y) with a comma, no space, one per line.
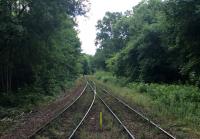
(179,104)
(181,101)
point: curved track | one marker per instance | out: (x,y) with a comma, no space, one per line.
(89,106)
(72,134)
(63,111)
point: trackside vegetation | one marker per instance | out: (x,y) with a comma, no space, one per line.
(150,55)
(177,106)
(157,41)
(40,53)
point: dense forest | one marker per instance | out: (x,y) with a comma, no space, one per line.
(40,51)
(157,41)
(149,56)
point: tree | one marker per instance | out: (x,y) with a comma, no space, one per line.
(87,65)
(145,52)
(39,46)
(111,37)
(183,27)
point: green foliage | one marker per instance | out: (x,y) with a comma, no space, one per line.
(155,42)
(179,103)
(110,38)
(108,77)
(86,64)
(179,100)
(184,26)
(39,48)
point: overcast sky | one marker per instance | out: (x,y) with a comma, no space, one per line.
(98,9)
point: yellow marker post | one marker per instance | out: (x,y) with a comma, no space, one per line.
(100,120)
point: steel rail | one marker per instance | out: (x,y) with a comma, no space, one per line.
(141,115)
(74,131)
(58,114)
(129,133)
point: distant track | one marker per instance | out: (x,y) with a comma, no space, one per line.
(140,115)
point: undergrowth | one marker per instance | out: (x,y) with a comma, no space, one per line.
(178,104)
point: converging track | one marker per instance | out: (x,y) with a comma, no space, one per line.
(66,122)
(72,134)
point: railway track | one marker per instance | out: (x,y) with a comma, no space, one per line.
(66,122)
(93,86)
(139,125)
(60,121)
(72,134)
(125,128)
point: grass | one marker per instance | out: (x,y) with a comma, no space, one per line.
(175,106)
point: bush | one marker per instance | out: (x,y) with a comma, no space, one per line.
(180,100)
(179,103)
(143,89)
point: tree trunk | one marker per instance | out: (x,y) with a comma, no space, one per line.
(10,78)
(2,78)
(7,80)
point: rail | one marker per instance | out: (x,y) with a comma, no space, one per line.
(58,114)
(74,131)
(141,115)
(126,129)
